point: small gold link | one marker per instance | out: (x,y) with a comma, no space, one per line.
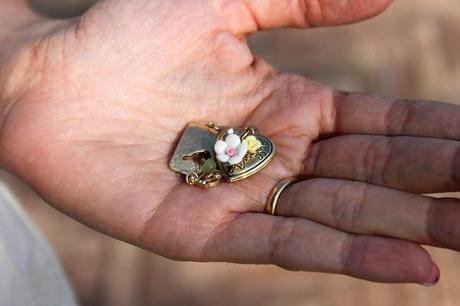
(213,128)
(204,180)
(192,178)
(248,131)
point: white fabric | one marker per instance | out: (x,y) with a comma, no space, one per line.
(30,274)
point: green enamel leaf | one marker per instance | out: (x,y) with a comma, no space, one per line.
(208,166)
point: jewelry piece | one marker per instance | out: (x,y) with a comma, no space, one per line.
(207,154)
(276,193)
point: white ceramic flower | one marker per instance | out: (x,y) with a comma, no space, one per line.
(232,150)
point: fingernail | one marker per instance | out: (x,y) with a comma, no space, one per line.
(434,277)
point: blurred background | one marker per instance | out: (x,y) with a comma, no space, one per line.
(412,50)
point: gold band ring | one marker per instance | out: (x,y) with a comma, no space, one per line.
(276,193)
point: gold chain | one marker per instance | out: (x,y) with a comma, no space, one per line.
(204,180)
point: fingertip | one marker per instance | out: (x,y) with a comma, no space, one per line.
(423,270)
(419,266)
(389,260)
(433,277)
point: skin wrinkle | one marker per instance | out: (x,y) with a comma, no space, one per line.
(339,100)
(456,168)
(337,97)
(78,28)
(290,85)
(442,226)
(256,26)
(296,8)
(306,163)
(4,110)
(302,8)
(385,169)
(291,88)
(10,92)
(4,118)
(259,199)
(357,207)
(265,89)
(346,251)
(150,214)
(32,56)
(297,13)
(338,208)
(317,149)
(399,116)
(269,82)
(369,160)
(210,245)
(321,118)
(280,238)
(325,102)
(328,130)
(310,7)
(349,201)
(217,98)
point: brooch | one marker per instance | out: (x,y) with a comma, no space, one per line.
(207,154)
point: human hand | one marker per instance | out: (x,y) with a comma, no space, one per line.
(93,107)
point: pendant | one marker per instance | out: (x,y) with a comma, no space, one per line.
(208,154)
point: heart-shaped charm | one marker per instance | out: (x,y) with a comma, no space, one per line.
(206,154)
(242,152)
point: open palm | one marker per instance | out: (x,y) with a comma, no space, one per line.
(104,98)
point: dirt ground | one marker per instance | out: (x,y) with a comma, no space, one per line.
(413,50)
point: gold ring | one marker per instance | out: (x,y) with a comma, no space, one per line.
(276,193)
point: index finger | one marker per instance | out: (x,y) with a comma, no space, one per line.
(356,113)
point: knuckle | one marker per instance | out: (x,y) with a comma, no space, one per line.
(456,168)
(349,202)
(442,222)
(313,12)
(347,254)
(377,160)
(399,116)
(280,238)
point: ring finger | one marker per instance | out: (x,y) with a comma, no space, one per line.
(361,208)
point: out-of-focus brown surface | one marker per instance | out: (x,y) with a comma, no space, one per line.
(413,50)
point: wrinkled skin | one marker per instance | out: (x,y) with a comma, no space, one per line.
(93,107)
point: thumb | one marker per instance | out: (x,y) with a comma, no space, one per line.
(248,16)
